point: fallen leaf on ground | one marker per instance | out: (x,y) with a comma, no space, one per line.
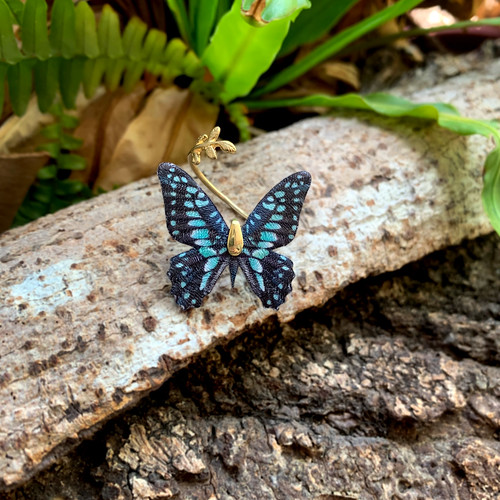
(102,125)
(17,173)
(120,113)
(165,129)
(17,132)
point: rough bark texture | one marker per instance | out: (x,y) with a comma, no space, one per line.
(390,391)
(87,327)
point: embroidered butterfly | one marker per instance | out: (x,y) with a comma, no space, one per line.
(193,219)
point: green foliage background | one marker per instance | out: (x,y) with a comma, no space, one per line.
(77,51)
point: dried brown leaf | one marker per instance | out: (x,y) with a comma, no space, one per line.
(121,112)
(17,132)
(486,8)
(164,130)
(17,173)
(102,124)
(89,130)
(347,72)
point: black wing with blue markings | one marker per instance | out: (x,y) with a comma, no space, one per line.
(191,216)
(194,274)
(274,221)
(194,220)
(273,224)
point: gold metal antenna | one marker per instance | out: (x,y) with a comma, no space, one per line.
(208,144)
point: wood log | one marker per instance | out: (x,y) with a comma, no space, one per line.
(391,390)
(87,324)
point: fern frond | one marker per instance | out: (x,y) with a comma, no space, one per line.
(79,51)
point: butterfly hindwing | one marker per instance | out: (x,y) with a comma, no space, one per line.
(194,274)
(270,275)
(274,221)
(191,216)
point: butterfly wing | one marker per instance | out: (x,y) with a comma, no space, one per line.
(193,276)
(274,221)
(194,220)
(191,216)
(273,224)
(270,276)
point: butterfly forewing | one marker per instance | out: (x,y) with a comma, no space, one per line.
(274,221)
(191,216)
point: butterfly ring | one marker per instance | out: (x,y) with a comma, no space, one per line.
(193,219)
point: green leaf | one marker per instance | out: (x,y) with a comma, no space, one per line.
(133,36)
(9,52)
(335,44)
(93,72)
(71,162)
(178,59)
(3,74)
(114,72)
(53,148)
(46,75)
(85,31)
(108,33)
(19,220)
(42,193)
(444,114)
(281,9)
(315,22)
(133,73)
(58,203)
(20,82)
(491,188)
(223,6)
(70,77)
(239,53)
(174,53)
(178,9)
(275,10)
(68,122)
(34,29)
(31,209)
(152,52)
(70,142)
(52,131)
(68,187)
(48,172)
(17,8)
(62,28)
(237,114)
(191,65)
(202,16)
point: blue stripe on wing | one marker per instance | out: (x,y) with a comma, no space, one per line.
(274,221)
(191,216)
(270,275)
(194,274)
